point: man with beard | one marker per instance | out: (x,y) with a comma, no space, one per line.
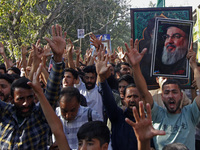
(178,123)
(123,136)
(88,88)
(5,83)
(23,125)
(173,59)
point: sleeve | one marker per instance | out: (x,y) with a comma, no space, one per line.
(96,116)
(112,110)
(157,113)
(195,112)
(54,82)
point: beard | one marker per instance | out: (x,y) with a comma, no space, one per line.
(4,97)
(169,58)
(90,85)
(167,105)
(19,110)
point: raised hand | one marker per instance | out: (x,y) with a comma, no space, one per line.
(57,43)
(35,84)
(120,53)
(143,127)
(102,69)
(133,54)
(38,52)
(112,57)
(95,42)
(47,50)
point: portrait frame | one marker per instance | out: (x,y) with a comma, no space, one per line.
(162,25)
(142,25)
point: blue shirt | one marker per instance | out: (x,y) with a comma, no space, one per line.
(179,128)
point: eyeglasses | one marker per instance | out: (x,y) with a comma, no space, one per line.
(175,36)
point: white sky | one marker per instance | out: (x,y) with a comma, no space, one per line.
(168,3)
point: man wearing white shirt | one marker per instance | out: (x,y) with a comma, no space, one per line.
(89,89)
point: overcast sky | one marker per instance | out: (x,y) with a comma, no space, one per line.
(168,3)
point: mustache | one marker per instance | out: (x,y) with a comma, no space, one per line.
(171,45)
(89,83)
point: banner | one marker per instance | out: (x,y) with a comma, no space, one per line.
(196,34)
(160,3)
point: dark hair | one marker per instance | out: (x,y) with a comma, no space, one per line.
(128,86)
(90,69)
(118,66)
(3,67)
(175,146)
(172,81)
(126,77)
(94,129)
(16,70)
(7,77)
(19,83)
(73,72)
(70,92)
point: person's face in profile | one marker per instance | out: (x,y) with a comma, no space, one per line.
(175,47)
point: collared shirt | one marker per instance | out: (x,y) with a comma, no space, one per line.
(71,127)
(32,133)
(93,97)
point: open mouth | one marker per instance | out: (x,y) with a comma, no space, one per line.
(172,104)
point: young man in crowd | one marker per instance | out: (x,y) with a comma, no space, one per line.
(5,84)
(92,135)
(179,124)
(123,137)
(70,78)
(89,89)
(23,125)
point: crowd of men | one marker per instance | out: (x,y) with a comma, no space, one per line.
(100,102)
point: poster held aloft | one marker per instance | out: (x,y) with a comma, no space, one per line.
(172,39)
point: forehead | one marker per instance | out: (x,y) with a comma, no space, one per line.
(123,82)
(64,104)
(124,66)
(132,90)
(23,92)
(173,30)
(90,74)
(170,87)
(67,73)
(3,81)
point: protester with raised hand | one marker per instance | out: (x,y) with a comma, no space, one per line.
(143,127)
(178,123)
(52,119)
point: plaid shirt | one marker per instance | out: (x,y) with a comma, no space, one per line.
(32,133)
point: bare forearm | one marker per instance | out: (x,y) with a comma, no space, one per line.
(141,84)
(53,121)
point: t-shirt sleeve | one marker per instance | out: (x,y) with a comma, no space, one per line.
(157,113)
(195,112)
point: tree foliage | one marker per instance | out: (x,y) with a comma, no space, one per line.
(22,22)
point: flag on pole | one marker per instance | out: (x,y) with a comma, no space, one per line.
(160,3)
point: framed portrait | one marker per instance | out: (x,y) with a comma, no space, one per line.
(143,27)
(172,39)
